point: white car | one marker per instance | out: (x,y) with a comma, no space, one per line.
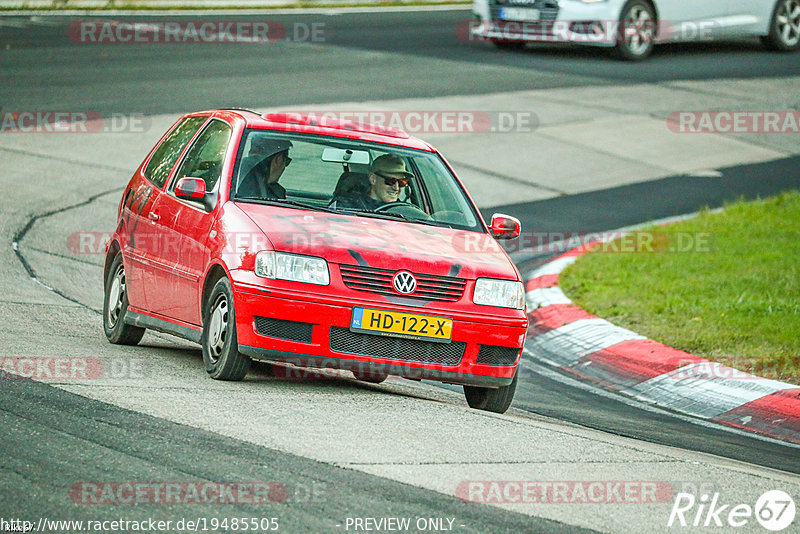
(632,27)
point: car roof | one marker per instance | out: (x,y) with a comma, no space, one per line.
(323,125)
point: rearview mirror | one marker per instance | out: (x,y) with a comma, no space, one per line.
(505,226)
(338,155)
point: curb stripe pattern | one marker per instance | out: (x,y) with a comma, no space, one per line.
(568,337)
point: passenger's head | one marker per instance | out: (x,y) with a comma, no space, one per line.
(387,176)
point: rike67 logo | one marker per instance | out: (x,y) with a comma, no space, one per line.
(774,510)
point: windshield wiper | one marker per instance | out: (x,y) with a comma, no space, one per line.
(392,215)
(285,202)
(380,215)
(434,223)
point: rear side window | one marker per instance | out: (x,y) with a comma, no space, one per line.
(170,149)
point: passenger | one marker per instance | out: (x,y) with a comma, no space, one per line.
(387,177)
(261,181)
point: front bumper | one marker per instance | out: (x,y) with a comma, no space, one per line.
(568,22)
(314,331)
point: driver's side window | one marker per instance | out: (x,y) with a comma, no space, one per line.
(206,156)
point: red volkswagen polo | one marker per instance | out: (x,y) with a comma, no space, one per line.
(365,254)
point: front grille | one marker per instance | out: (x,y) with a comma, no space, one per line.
(288,330)
(494,355)
(548,9)
(395,348)
(429,287)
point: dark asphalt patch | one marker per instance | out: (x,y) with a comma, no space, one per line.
(53,440)
(610,209)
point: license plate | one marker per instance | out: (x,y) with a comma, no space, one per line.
(519,13)
(406,325)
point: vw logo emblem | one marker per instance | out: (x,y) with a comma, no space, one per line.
(404,282)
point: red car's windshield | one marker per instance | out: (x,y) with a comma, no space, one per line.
(351,177)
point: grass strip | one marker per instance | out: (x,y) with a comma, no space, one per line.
(724,286)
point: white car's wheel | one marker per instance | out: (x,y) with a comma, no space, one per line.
(637,31)
(784,28)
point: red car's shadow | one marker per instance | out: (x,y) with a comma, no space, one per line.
(266,372)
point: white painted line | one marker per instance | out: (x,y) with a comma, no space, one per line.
(14,23)
(545,296)
(691,390)
(567,344)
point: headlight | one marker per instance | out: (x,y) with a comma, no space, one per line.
(281,266)
(503,293)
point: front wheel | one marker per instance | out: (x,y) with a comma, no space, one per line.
(637,31)
(370,375)
(115,307)
(492,400)
(220,349)
(784,27)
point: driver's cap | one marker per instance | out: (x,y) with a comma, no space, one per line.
(265,147)
(390,163)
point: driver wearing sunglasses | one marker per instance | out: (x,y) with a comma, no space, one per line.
(387,178)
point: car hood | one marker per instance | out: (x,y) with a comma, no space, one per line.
(381,243)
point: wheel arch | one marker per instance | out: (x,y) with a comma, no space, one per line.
(215,273)
(113,249)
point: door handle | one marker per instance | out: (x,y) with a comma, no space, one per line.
(153,216)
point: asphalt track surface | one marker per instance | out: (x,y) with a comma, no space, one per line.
(98,438)
(88,440)
(386,56)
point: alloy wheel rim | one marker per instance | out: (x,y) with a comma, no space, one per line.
(638,30)
(115,296)
(788,22)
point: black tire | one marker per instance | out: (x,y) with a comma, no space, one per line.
(371,376)
(784,27)
(221,354)
(508,45)
(114,326)
(636,32)
(491,400)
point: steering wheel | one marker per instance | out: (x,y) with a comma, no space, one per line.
(404,208)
